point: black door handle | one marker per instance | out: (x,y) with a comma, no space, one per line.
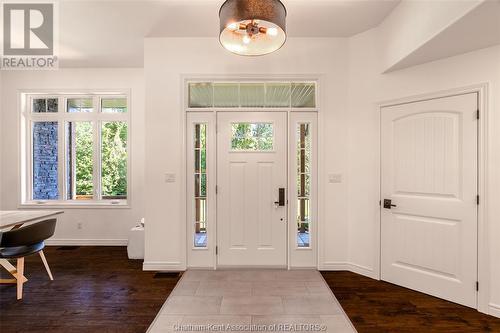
(281,198)
(388,204)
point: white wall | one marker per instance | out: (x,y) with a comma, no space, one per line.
(99,226)
(1,139)
(165,61)
(413,23)
(367,87)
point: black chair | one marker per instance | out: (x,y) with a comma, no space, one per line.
(25,241)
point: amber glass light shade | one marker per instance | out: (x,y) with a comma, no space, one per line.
(252,27)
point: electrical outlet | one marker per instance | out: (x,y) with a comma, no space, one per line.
(79,226)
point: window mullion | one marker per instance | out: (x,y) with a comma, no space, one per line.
(73,160)
(97,151)
(61,161)
(29,167)
(28,150)
(97,160)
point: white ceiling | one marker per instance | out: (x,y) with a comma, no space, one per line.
(110,33)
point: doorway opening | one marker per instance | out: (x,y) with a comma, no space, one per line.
(251,166)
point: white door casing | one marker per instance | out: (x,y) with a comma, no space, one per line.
(252,230)
(429,171)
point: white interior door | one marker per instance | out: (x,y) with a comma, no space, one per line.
(251,168)
(429,171)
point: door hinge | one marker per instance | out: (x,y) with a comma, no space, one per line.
(216,250)
(477,285)
(477,114)
(477,200)
(380,203)
(216,189)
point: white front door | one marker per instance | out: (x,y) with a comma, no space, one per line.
(429,171)
(251,168)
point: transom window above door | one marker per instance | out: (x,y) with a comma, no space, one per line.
(220,95)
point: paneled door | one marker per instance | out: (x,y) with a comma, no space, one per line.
(429,197)
(251,188)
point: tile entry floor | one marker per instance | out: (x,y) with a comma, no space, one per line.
(251,300)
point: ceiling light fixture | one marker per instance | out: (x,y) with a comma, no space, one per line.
(252,27)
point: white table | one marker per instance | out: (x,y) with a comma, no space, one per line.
(14,219)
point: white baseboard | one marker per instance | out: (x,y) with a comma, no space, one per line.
(86,242)
(494,310)
(363,270)
(334,266)
(163,266)
(347,266)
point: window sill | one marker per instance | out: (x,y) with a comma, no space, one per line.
(75,205)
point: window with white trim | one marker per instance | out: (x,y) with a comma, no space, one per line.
(76,149)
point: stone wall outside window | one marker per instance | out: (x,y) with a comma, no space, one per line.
(45,161)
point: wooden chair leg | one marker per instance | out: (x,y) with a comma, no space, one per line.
(44,260)
(20,282)
(11,269)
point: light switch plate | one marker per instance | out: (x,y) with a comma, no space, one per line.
(170,178)
(335,178)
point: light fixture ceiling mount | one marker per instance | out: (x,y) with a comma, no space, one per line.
(252,27)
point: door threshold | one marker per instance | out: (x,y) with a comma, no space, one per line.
(240,267)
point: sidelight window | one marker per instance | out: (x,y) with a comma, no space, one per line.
(303,184)
(200,185)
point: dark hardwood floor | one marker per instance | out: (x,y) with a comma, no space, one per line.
(96,289)
(376,306)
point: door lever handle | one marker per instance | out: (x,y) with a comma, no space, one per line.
(281,198)
(388,204)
